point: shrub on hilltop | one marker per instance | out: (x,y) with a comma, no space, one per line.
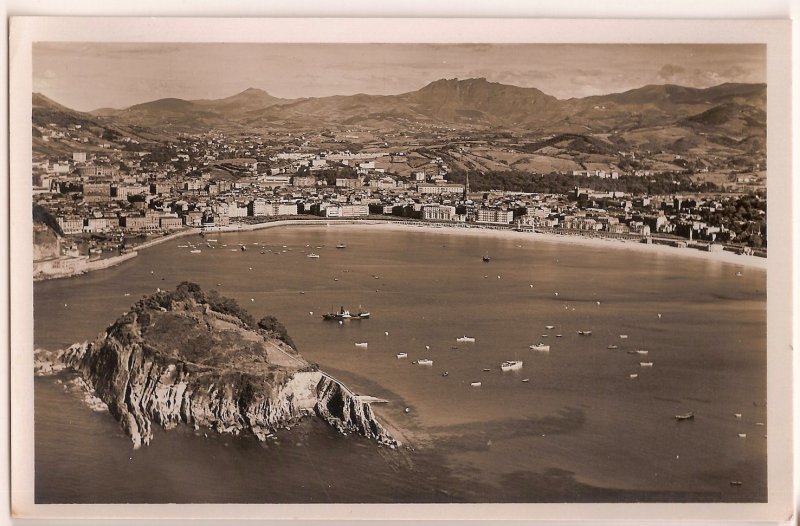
(272,325)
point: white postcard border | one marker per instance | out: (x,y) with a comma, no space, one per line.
(775,33)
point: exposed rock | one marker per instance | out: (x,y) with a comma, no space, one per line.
(175,359)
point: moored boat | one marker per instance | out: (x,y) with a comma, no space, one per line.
(511,365)
(685,416)
(646,364)
(475,384)
(344,314)
(313,256)
(341,245)
(362,345)
(465,339)
(402,355)
(585,333)
(425,361)
(613,347)
(195,251)
(540,347)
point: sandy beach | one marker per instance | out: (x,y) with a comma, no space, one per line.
(473,230)
(722,256)
(477,230)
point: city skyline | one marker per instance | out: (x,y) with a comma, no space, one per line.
(88,76)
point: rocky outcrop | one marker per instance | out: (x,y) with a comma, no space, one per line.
(144,386)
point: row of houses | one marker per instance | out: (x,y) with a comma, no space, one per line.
(149,222)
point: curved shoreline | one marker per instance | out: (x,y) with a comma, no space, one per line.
(413,225)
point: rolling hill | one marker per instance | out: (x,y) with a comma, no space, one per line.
(471,103)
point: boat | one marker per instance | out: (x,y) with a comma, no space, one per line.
(475,384)
(585,333)
(445,373)
(402,355)
(526,380)
(623,336)
(685,416)
(549,327)
(362,345)
(313,256)
(559,335)
(613,347)
(633,375)
(511,365)
(742,435)
(466,339)
(486,258)
(425,361)
(641,351)
(195,251)
(646,364)
(540,347)
(341,245)
(345,314)
(243,248)
(736,483)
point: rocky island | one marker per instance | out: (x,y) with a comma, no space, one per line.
(196,358)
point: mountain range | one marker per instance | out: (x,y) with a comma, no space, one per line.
(454,102)
(723,121)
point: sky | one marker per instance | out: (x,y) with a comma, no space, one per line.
(88,76)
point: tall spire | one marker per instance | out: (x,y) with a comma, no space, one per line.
(466,188)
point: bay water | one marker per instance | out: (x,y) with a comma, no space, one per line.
(580,429)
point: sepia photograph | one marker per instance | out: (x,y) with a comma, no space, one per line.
(332,271)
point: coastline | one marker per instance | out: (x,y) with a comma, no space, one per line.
(722,256)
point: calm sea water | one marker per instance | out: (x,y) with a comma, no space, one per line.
(579,430)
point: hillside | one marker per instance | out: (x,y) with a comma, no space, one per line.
(448,102)
(195,358)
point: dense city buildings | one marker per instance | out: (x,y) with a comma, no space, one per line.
(106,191)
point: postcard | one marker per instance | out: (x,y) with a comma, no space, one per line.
(409,268)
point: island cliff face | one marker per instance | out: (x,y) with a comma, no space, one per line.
(192,358)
